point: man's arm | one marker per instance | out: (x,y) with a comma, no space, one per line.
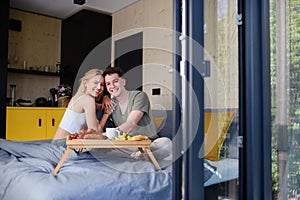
(133,119)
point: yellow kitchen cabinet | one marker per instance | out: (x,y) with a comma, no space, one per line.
(32,123)
(53,119)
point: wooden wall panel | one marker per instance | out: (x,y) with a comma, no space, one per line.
(155,19)
(129,18)
(38,43)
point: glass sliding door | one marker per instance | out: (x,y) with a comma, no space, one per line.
(227,119)
(221,98)
(285,85)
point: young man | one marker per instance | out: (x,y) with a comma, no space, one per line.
(131,112)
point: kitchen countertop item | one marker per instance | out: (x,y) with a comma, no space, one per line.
(25,104)
(41,102)
(34,68)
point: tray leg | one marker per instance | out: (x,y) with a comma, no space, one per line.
(143,153)
(62,160)
(153,159)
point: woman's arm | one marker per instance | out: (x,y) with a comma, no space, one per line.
(107,106)
(103,120)
(89,107)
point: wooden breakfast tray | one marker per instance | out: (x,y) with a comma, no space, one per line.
(94,143)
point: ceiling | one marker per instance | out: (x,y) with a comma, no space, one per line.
(63,9)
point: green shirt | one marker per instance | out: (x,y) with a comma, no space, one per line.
(137,100)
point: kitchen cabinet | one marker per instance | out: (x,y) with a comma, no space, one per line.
(53,118)
(32,123)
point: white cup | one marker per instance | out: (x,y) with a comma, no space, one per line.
(112,133)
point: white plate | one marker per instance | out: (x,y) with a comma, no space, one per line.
(25,104)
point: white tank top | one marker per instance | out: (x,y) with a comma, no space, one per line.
(72,121)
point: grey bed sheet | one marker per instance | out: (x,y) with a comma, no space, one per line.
(26,173)
(227,169)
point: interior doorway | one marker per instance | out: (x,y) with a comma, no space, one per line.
(129,56)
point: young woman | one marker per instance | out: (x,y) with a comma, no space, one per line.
(81,110)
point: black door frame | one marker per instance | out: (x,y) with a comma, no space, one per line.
(193,130)
(254,102)
(4,27)
(176,102)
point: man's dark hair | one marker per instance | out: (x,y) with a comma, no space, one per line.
(113,70)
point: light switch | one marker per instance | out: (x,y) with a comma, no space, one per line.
(156,91)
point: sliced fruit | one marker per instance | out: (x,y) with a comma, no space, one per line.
(74,136)
(138,137)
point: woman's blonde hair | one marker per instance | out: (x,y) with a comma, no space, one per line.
(88,75)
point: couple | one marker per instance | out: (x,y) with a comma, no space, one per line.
(130,110)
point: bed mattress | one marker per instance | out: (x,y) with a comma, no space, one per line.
(26,173)
(227,169)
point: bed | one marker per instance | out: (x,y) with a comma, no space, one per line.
(226,165)
(26,173)
(223,183)
(227,170)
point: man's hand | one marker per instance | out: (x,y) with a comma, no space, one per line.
(107,103)
(108,111)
